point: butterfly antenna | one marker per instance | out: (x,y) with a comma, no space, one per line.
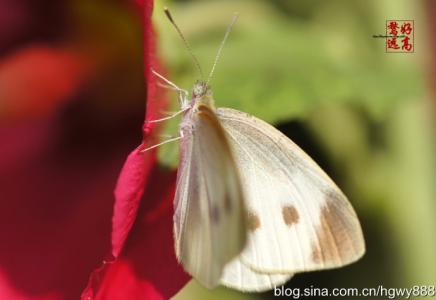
(197,64)
(218,55)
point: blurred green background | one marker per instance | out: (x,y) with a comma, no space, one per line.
(313,69)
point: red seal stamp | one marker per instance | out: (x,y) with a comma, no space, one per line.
(400,36)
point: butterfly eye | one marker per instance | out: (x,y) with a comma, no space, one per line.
(290,215)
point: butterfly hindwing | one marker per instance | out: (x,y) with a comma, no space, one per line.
(239,276)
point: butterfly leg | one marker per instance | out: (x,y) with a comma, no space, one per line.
(169,83)
(170,87)
(164,142)
(183,94)
(169,117)
(167,112)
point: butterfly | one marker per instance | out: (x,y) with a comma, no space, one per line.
(251,208)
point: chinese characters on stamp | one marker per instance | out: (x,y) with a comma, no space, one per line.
(400,36)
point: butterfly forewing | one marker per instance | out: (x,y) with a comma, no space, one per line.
(210,227)
(302,221)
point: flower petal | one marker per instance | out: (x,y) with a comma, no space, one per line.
(147,269)
(128,192)
(134,174)
(34,81)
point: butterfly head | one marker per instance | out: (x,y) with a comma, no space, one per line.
(202,93)
(200,89)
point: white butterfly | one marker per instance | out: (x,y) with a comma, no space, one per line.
(251,208)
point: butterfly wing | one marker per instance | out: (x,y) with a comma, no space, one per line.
(238,275)
(209,220)
(298,218)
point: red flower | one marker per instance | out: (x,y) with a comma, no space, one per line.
(147,269)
